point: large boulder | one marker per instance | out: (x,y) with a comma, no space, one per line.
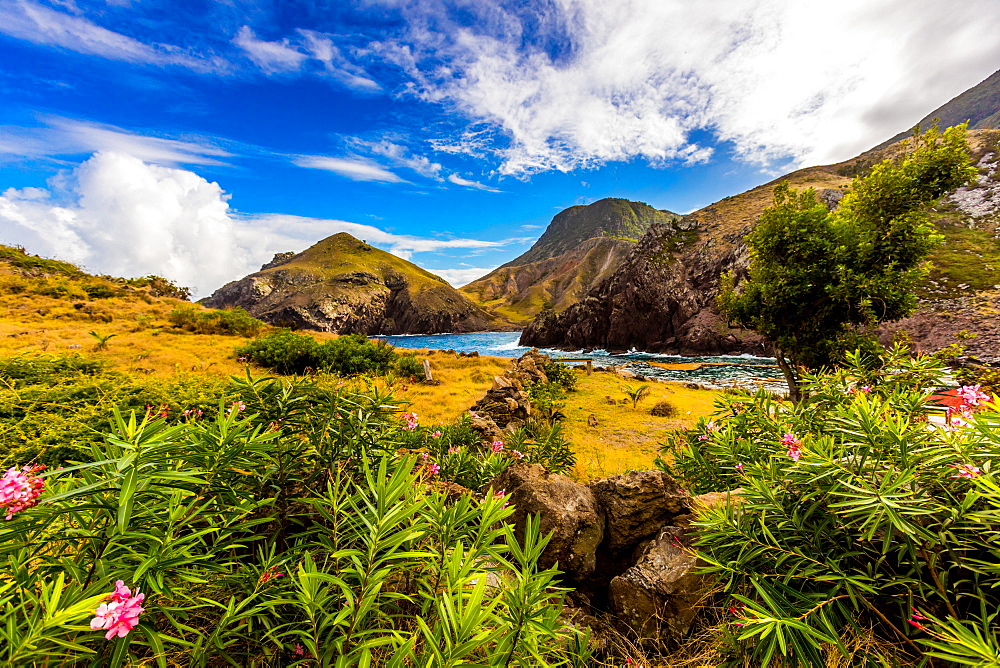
(637,505)
(566,509)
(658,597)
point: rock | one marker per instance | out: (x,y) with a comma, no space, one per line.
(452,490)
(658,597)
(637,505)
(565,508)
(485,426)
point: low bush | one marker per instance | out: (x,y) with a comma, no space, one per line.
(289,353)
(663,409)
(232,322)
(859,516)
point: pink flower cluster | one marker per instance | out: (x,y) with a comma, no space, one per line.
(916,618)
(411,421)
(237,406)
(972,397)
(121,614)
(500,495)
(20,489)
(794,446)
(709,429)
(497,447)
(965,471)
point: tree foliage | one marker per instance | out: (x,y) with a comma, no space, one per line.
(819,281)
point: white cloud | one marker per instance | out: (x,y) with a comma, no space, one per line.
(400,155)
(532,227)
(271,57)
(64,136)
(356,169)
(460,277)
(115,214)
(401,245)
(577,83)
(322,48)
(36,23)
(459,181)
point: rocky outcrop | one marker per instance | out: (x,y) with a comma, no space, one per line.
(637,505)
(568,510)
(345,286)
(621,542)
(658,596)
(581,247)
(506,405)
(662,298)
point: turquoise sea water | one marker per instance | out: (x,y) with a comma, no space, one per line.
(722,371)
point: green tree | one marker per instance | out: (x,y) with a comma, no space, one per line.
(820,281)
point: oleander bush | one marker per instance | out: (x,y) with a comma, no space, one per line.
(864,512)
(285,527)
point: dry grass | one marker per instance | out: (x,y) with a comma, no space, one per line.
(144,343)
(624,439)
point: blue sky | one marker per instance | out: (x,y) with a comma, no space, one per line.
(195,139)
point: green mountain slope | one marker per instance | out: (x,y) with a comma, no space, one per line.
(582,246)
(344,285)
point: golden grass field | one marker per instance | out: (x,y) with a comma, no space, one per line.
(145,344)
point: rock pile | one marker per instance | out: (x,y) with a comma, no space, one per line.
(622,542)
(507,406)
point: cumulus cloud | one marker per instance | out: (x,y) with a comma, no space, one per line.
(459,181)
(116,214)
(64,136)
(578,83)
(356,169)
(30,21)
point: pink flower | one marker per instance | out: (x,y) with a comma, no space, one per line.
(500,495)
(866,389)
(739,466)
(432,469)
(121,614)
(454,450)
(237,406)
(243,358)
(20,489)
(516,455)
(704,437)
(965,471)
(972,395)
(299,649)
(121,592)
(794,446)
(497,446)
(411,421)
(436,434)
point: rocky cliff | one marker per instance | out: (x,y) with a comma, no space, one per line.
(661,299)
(581,247)
(343,285)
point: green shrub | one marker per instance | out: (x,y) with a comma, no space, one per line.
(857,518)
(560,374)
(410,367)
(232,322)
(290,353)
